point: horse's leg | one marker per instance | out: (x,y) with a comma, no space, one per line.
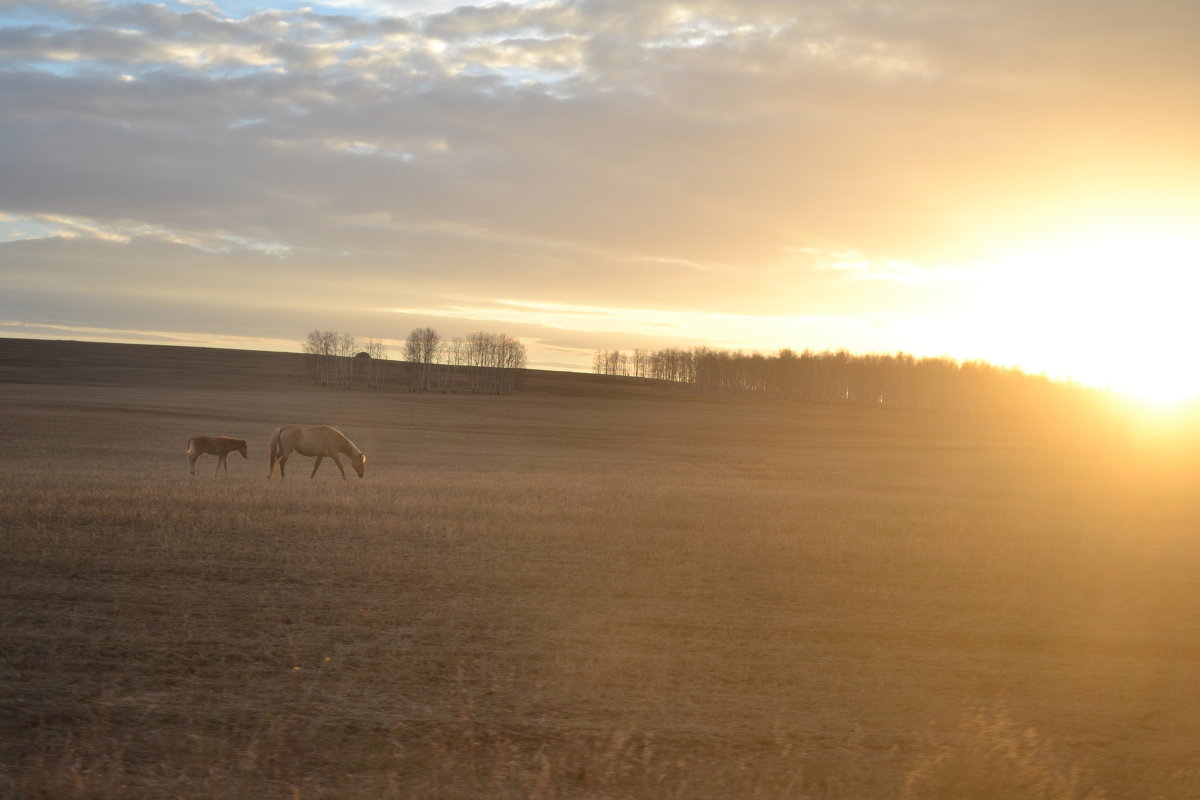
(192,463)
(226,463)
(282,463)
(319,460)
(338,461)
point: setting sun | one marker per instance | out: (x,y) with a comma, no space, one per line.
(1106,308)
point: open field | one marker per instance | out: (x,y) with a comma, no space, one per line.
(585,590)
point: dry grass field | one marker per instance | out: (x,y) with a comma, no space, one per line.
(588,589)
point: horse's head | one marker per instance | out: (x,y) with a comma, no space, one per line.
(359,462)
(241,447)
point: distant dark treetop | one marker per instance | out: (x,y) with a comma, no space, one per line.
(362,354)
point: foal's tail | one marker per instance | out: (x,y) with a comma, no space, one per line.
(276,450)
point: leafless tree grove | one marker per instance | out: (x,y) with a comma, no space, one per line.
(421,349)
(482,363)
(376,355)
(330,357)
(888,381)
(496,360)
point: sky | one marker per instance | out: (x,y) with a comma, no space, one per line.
(1016,181)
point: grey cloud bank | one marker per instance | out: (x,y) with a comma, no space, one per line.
(657,158)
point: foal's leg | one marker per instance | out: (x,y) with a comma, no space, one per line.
(319,460)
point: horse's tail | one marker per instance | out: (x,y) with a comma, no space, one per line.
(276,450)
(191,445)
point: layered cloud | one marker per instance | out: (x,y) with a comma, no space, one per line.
(756,159)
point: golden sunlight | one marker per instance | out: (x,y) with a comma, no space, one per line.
(1105,308)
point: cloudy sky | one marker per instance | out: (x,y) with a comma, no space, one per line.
(1014,180)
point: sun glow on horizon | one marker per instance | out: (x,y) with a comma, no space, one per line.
(1109,309)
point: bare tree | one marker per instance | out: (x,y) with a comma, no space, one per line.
(312,351)
(496,360)
(345,350)
(330,357)
(319,347)
(421,349)
(377,354)
(454,358)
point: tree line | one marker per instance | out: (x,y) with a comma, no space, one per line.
(481,363)
(335,359)
(899,381)
(492,363)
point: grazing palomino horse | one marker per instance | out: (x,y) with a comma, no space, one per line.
(322,441)
(219,446)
